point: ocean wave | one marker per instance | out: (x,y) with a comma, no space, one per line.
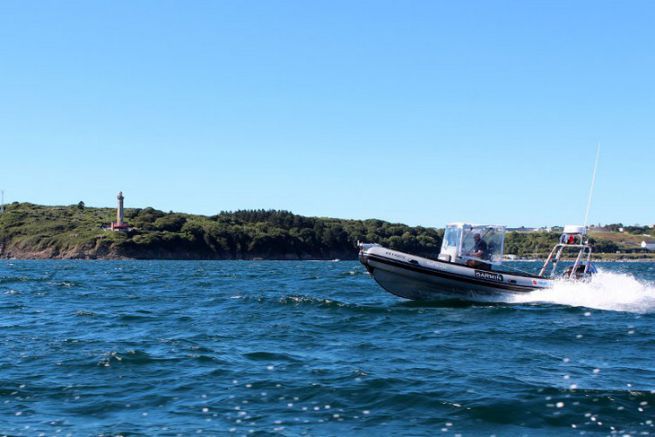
(270,356)
(85,313)
(24,279)
(133,356)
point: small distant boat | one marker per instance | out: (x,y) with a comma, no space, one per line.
(469,265)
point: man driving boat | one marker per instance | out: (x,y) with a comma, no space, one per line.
(480,250)
(480,247)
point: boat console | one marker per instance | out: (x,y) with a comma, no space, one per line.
(473,245)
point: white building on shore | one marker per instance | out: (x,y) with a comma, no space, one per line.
(648,245)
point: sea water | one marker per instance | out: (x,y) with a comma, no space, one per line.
(316,348)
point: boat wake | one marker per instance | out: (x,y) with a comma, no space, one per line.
(606,291)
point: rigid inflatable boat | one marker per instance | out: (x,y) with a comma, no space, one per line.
(470,267)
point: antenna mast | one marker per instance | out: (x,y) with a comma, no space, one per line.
(591,189)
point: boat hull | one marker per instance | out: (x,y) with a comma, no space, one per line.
(416,278)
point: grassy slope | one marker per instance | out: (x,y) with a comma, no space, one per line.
(623,239)
(55,229)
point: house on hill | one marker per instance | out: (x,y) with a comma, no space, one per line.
(648,245)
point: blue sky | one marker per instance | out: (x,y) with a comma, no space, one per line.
(414,112)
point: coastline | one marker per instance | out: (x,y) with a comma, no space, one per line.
(289,257)
(29,231)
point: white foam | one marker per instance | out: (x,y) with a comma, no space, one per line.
(606,291)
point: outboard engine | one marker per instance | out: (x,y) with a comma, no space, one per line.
(580,273)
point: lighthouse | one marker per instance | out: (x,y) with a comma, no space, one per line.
(119,209)
(119,224)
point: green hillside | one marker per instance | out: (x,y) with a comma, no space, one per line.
(75,231)
(34,231)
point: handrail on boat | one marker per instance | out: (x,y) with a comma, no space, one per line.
(556,253)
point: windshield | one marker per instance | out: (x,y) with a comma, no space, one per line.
(484,242)
(451,237)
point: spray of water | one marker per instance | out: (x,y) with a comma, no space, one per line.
(606,291)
